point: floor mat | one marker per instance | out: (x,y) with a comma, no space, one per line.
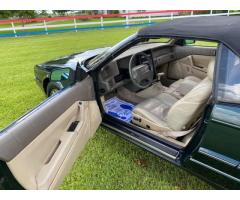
(119,109)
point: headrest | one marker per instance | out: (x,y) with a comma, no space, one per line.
(211,66)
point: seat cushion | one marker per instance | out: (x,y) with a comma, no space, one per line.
(176,84)
(193,78)
(178,89)
(151,113)
(186,86)
(152,91)
(181,87)
(186,110)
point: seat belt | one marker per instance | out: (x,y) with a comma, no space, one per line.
(176,134)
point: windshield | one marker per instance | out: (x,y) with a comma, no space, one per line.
(99,58)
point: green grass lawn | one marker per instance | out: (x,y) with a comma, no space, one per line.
(108,162)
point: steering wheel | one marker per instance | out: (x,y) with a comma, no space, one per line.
(141,70)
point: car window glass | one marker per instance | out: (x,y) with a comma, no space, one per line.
(200,43)
(60,74)
(108,51)
(160,40)
(229,73)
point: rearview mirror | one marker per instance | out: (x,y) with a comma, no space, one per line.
(60,74)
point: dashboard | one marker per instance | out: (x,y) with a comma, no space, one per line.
(116,73)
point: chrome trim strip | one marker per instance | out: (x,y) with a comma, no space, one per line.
(224,123)
(218,157)
(215,170)
(140,141)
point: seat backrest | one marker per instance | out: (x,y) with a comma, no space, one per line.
(188,109)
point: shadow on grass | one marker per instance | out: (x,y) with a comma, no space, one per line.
(109,162)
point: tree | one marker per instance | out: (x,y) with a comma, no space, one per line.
(113,12)
(60,12)
(26,13)
(18,13)
(219,11)
(6,13)
(43,13)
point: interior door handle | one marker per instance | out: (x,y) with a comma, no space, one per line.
(73,126)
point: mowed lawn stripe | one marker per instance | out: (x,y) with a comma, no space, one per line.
(108,162)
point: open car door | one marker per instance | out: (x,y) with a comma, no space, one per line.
(41,147)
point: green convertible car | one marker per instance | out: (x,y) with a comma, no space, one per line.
(173,89)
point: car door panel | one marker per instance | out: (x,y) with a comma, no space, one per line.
(184,51)
(190,60)
(180,68)
(50,137)
(218,151)
(39,118)
(193,65)
(200,64)
(201,61)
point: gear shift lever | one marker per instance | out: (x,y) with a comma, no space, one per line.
(159,75)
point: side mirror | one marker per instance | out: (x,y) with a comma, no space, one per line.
(189,42)
(60,74)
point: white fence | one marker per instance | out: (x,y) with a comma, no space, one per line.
(46,25)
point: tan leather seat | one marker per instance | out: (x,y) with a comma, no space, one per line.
(193,79)
(181,87)
(167,113)
(178,89)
